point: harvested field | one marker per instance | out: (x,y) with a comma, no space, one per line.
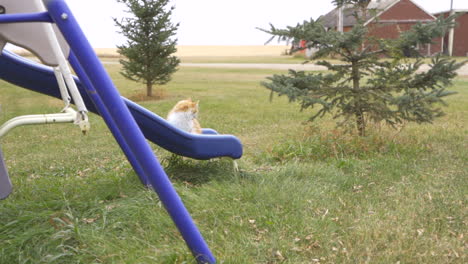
(204,51)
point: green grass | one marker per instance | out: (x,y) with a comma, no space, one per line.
(305,193)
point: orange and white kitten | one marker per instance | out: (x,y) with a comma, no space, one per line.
(184,116)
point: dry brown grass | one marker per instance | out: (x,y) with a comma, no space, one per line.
(158,94)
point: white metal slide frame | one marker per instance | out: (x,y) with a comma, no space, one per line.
(41,39)
(45,43)
(68,116)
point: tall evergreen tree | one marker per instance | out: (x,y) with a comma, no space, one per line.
(364,87)
(150,44)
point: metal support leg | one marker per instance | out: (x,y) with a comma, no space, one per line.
(113,128)
(5,183)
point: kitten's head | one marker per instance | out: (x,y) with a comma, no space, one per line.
(187,106)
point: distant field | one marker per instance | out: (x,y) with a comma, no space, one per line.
(215,54)
(273,54)
(216,51)
(222,54)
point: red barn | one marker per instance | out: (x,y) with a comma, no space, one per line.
(458,45)
(386,19)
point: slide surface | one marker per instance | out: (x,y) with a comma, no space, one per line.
(37,77)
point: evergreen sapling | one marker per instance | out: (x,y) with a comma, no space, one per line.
(375,80)
(147,53)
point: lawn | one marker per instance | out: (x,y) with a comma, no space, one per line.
(305,192)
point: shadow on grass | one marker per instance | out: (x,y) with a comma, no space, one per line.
(198,172)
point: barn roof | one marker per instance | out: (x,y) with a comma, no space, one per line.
(448,11)
(330,20)
(374,8)
(381,5)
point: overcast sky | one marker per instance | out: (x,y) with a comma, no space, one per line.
(217,22)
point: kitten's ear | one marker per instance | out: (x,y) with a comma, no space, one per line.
(189,99)
(184,107)
(197,103)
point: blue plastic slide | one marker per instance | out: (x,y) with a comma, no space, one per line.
(128,122)
(37,77)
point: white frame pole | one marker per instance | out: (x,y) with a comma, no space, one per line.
(65,72)
(68,117)
(451,33)
(63,88)
(340,19)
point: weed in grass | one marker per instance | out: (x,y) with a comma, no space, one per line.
(316,144)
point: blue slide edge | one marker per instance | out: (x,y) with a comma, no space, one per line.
(40,78)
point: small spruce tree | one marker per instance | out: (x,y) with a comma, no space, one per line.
(364,87)
(148,51)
